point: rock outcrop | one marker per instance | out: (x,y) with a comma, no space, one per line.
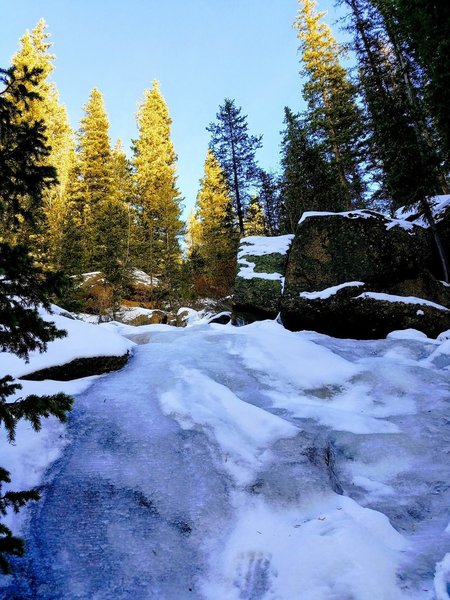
(80,367)
(260,278)
(356,274)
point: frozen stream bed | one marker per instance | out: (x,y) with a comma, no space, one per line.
(250,463)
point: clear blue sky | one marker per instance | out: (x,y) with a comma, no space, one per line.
(201,51)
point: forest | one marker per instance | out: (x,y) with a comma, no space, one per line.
(373,135)
(74,204)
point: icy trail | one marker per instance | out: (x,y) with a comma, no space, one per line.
(251,464)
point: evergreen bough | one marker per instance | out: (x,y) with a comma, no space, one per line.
(24,288)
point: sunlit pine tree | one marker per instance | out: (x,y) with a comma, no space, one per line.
(157,196)
(44,104)
(96,179)
(112,229)
(214,232)
(254,218)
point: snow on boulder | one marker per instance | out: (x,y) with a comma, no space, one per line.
(332,248)
(260,278)
(440,208)
(86,350)
(336,257)
(136,315)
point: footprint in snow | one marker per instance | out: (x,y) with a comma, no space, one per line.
(254,575)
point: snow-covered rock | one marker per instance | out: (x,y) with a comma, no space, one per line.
(334,254)
(260,278)
(84,342)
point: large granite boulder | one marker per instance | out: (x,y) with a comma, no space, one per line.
(354,274)
(260,278)
(360,274)
(333,248)
(350,311)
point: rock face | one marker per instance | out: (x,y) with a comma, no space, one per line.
(330,249)
(260,279)
(80,367)
(357,274)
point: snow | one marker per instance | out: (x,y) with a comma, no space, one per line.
(257,245)
(247,271)
(403,299)
(83,340)
(139,276)
(410,334)
(331,291)
(403,224)
(438,204)
(399,221)
(129,313)
(442,578)
(261,246)
(227,463)
(349,214)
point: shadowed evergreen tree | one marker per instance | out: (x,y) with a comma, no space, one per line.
(309,182)
(212,234)
(23,287)
(424,25)
(270,199)
(401,140)
(235,150)
(157,196)
(333,117)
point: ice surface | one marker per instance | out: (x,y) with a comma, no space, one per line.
(249,463)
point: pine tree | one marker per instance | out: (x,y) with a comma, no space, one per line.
(193,233)
(72,256)
(112,229)
(34,53)
(157,196)
(94,150)
(270,199)
(95,169)
(254,218)
(401,140)
(309,181)
(213,233)
(23,287)
(333,117)
(235,150)
(424,25)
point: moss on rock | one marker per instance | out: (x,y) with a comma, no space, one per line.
(260,296)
